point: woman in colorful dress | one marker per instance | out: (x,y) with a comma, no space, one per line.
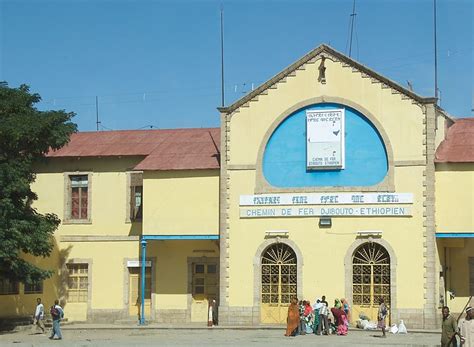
(308,317)
(346,308)
(340,320)
(293,318)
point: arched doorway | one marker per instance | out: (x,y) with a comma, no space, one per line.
(278,282)
(370,279)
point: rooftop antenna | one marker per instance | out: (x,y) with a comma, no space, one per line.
(353,14)
(435,54)
(97,122)
(222,56)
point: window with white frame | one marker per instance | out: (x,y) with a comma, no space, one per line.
(78,282)
(79,196)
(136,196)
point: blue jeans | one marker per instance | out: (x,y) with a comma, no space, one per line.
(56,329)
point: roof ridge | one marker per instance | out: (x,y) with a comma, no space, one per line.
(323,48)
(144,130)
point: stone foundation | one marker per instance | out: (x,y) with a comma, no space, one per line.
(239,315)
(412,317)
(172,316)
(106,315)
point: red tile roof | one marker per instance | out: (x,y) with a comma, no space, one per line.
(458,147)
(168,149)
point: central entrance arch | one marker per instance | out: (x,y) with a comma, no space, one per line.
(279,282)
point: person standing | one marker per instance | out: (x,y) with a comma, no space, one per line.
(448,329)
(38,320)
(57,313)
(293,318)
(301,325)
(466,328)
(381,316)
(323,326)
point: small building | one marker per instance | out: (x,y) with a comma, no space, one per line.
(328,179)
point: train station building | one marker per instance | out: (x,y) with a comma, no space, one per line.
(328,179)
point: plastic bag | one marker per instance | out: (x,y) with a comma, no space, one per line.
(402,329)
(394,329)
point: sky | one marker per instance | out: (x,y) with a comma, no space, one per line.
(157,63)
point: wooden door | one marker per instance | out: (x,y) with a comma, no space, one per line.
(134,292)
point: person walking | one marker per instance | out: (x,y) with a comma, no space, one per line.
(448,329)
(466,328)
(57,313)
(381,316)
(38,320)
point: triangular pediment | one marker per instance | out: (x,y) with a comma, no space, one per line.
(327,52)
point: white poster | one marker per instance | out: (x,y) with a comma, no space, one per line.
(325,139)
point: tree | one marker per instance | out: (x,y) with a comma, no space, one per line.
(26,135)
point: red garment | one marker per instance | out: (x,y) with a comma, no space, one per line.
(307,310)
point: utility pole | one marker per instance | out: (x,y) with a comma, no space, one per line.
(97,113)
(222,57)
(353,14)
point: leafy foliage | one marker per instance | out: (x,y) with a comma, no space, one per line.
(26,135)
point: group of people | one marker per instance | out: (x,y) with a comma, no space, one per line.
(304,318)
(450,329)
(57,313)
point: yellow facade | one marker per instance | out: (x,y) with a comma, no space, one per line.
(199,247)
(184,202)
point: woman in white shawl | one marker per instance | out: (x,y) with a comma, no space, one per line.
(316,307)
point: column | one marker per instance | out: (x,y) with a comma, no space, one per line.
(143,265)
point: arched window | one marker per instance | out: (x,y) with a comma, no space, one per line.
(370,275)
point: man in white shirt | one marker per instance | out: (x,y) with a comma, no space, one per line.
(323,327)
(38,320)
(466,328)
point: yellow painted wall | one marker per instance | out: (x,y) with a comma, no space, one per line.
(171,273)
(455,197)
(108,218)
(324,249)
(402,120)
(458,252)
(181,202)
(108,188)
